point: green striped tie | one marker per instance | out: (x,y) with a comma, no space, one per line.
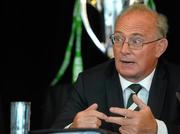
(135,88)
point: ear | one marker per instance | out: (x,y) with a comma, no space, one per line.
(161,47)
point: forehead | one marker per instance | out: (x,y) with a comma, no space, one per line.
(142,22)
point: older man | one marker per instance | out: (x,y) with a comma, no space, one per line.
(104,95)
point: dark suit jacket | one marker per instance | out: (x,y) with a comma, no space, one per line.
(101,85)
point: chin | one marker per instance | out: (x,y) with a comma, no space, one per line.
(128,74)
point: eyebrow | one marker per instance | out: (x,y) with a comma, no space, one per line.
(137,34)
(133,34)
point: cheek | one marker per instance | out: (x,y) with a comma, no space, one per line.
(146,59)
(116,51)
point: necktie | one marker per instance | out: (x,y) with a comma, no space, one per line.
(136,88)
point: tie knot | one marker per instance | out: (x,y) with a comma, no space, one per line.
(135,87)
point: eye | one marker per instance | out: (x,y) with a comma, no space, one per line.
(119,39)
(136,41)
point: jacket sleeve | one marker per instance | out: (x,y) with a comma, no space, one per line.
(75,104)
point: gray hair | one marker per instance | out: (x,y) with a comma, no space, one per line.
(161,20)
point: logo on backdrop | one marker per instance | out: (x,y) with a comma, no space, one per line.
(110,9)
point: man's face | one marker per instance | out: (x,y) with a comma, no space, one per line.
(134,65)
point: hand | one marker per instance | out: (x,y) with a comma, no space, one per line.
(89,118)
(134,122)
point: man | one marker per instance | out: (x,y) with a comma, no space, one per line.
(101,95)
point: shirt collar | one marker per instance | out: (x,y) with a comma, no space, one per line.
(146,82)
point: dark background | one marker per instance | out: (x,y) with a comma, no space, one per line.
(34,38)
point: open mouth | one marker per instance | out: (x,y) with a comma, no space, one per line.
(127,62)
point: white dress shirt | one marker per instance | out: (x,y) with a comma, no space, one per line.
(143,94)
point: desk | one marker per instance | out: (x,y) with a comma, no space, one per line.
(72,131)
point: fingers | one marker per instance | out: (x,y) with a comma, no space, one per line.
(118,120)
(89,118)
(139,102)
(92,111)
(123,121)
(92,107)
(92,120)
(86,125)
(127,112)
(124,112)
(88,122)
(123,131)
(134,121)
(97,114)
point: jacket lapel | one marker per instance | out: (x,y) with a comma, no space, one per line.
(114,93)
(158,88)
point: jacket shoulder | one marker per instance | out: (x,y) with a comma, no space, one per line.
(171,68)
(172,73)
(102,69)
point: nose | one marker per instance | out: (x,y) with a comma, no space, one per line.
(125,48)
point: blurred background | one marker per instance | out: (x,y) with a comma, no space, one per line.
(34,37)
